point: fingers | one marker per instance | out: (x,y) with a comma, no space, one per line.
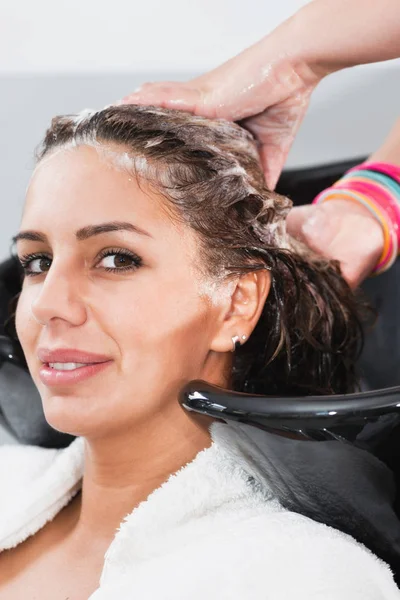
(275,129)
(167,94)
(272,162)
(173,95)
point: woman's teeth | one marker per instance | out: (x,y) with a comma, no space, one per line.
(67,366)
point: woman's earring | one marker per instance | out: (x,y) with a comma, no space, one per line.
(236,342)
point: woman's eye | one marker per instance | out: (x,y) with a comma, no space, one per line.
(120,261)
(40,264)
(111,261)
(35,265)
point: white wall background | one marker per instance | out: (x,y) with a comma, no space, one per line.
(131,35)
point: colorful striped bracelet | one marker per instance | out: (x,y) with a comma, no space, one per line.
(376,186)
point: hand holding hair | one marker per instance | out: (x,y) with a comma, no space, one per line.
(357,220)
(340,230)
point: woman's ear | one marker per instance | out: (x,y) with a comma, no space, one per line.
(242,309)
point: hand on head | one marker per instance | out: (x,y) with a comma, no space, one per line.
(272,108)
(269,99)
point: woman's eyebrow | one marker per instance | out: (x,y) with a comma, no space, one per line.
(85,232)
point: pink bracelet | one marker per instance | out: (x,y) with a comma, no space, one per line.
(381,167)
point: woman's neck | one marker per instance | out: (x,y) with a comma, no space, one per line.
(120,472)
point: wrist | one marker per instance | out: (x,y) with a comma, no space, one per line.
(307,46)
(289,47)
(375,229)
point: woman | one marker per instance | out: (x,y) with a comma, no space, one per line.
(152,249)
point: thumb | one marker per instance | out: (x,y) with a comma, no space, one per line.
(272,162)
(318,231)
(312,226)
(297,219)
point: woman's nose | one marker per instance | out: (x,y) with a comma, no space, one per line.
(60,297)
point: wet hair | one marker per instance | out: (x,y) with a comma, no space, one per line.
(309,334)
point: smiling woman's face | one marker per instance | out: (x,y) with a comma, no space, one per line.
(150,317)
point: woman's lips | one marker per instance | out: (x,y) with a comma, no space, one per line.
(48,355)
(53,377)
